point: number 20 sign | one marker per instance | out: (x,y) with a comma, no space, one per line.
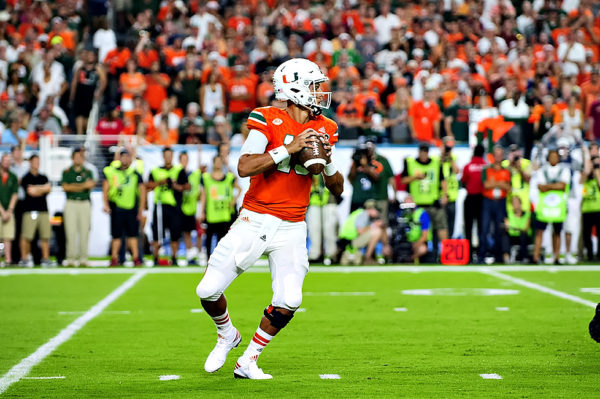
(455,252)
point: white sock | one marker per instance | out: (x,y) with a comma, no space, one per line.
(257,344)
(224,325)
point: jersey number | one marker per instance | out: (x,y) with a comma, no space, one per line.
(284,166)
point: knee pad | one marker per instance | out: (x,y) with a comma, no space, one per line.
(293,300)
(207,293)
(277,319)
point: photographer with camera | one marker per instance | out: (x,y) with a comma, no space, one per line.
(168,182)
(364,175)
(411,232)
(423,175)
(363,229)
(450,175)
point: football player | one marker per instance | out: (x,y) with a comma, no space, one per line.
(272,217)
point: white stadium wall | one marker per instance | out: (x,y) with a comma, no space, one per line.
(152,156)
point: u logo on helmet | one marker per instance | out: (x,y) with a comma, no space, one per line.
(285,78)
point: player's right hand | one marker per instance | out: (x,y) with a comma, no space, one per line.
(302,140)
(106,209)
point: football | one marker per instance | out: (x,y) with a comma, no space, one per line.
(313,158)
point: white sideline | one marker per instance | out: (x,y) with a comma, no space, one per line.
(313,269)
(24,366)
(539,287)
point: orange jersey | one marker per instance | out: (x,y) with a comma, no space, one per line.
(284,190)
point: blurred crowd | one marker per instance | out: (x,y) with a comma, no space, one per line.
(172,72)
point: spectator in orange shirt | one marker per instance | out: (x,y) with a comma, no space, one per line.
(544,116)
(241,91)
(132,84)
(238,21)
(116,59)
(265,89)
(59,28)
(156,86)
(175,53)
(367,95)
(146,55)
(163,135)
(590,90)
(424,118)
(212,64)
(350,117)
(344,73)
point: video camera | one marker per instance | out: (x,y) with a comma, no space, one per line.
(400,221)
(360,152)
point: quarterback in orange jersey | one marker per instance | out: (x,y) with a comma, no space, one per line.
(271,221)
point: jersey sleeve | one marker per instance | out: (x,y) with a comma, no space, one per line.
(257,121)
(332,132)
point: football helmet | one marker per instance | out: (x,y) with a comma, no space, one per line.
(298,80)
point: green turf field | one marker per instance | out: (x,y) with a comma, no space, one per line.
(400,333)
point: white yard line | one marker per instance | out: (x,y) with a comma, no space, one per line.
(24,366)
(492,376)
(340,293)
(539,287)
(169,377)
(56,377)
(69,313)
(313,269)
(329,376)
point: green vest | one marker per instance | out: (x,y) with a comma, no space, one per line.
(112,188)
(517,224)
(425,191)
(190,197)
(519,187)
(349,231)
(164,194)
(591,197)
(319,194)
(219,196)
(415,226)
(451,180)
(552,206)
(123,187)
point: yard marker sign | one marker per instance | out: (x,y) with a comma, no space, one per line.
(455,252)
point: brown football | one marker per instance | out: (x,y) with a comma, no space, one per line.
(313,158)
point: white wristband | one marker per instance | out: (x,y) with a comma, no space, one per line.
(330,169)
(279,154)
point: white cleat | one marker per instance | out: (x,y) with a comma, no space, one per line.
(571,259)
(216,358)
(248,369)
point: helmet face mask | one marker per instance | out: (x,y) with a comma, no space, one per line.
(298,80)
